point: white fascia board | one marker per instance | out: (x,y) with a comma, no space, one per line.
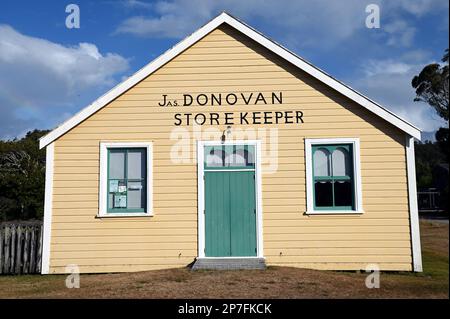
(259,38)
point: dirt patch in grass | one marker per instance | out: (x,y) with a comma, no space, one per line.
(275,282)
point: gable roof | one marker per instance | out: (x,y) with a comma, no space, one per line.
(254,35)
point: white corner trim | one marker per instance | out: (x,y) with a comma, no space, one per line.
(259,38)
(48,207)
(103,186)
(309,142)
(201,194)
(413,208)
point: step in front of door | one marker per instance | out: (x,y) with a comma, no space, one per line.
(229,263)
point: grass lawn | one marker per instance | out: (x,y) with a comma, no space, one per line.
(275,282)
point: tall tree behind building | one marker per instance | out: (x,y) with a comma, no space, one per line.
(22,177)
(432,87)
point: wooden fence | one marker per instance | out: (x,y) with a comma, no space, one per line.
(20,247)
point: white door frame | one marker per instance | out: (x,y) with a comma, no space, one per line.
(201,194)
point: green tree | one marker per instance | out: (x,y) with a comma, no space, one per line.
(22,177)
(428,155)
(432,87)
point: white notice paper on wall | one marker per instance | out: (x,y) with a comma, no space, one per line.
(120,201)
(122,187)
(113,186)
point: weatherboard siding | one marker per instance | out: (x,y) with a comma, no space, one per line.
(223,62)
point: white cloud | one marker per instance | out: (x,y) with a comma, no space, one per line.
(420,7)
(416,56)
(399,16)
(302,23)
(173,20)
(389,83)
(136,4)
(324,20)
(399,33)
(386,67)
(40,79)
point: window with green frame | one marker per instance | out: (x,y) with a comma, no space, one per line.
(229,157)
(333,177)
(127,180)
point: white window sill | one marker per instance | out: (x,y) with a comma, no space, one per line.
(113,215)
(334,212)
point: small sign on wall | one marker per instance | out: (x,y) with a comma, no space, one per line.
(231,118)
(113,186)
(120,201)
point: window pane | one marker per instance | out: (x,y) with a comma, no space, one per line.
(322,162)
(323,191)
(116,164)
(343,193)
(136,195)
(240,155)
(215,157)
(341,162)
(136,164)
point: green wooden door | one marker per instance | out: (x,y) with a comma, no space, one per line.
(230,210)
(242,213)
(217,214)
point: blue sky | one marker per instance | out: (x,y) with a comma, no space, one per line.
(48,72)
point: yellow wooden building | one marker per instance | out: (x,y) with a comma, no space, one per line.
(229,151)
